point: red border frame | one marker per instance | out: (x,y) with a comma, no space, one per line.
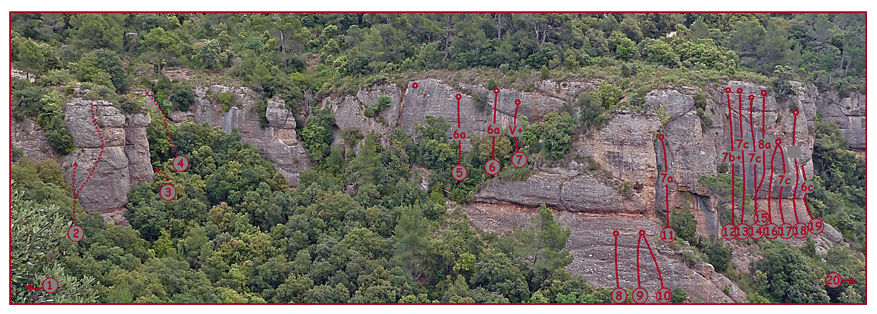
(410,12)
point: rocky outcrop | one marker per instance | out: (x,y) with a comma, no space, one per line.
(349,111)
(123,162)
(848,113)
(27,136)
(433,97)
(278,141)
(591,244)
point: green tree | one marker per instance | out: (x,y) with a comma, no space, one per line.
(410,234)
(784,276)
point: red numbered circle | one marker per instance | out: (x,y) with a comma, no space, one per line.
(168,192)
(640,295)
(801,230)
(491,167)
(459,172)
(757,231)
(619,295)
(772,232)
(833,280)
(729,231)
(668,235)
(75,233)
(816,226)
(519,160)
(761,218)
(50,285)
(744,231)
(664,295)
(181,163)
(787,231)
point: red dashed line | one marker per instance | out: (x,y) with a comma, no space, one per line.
(165,121)
(93,167)
(100,135)
(74,192)
(165,174)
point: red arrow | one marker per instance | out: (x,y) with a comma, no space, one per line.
(849,281)
(31,288)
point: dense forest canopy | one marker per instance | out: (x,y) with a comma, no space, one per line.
(359,227)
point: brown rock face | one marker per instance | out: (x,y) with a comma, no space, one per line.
(278,141)
(123,162)
(30,139)
(593,248)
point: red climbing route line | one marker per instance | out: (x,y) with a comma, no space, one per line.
(803,174)
(763,107)
(493,148)
(751,127)
(458,113)
(740,110)
(664,149)
(96,128)
(617,281)
(730,120)
(733,198)
(770,186)
(165,121)
(795,191)
(667,200)
(459,142)
(460,152)
(743,198)
(495,100)
(515,122)
(74,192)
(165,175)
(661,278)
(797,175)
(638,281)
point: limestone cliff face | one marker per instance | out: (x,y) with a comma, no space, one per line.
(124,160)
(278,142)
(848,113)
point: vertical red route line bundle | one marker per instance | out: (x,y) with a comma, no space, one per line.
(165,121)
(90,173)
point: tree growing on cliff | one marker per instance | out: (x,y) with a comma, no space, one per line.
(542,248)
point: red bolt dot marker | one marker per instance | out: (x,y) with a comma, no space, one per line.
(616,233)
(459,96)
(642,232)
(751,97)
(414,85)
(795,112)
(496,90)
(661,136)
(727,89)
(517,101)
(739,90)
(763,93)
(778,141)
